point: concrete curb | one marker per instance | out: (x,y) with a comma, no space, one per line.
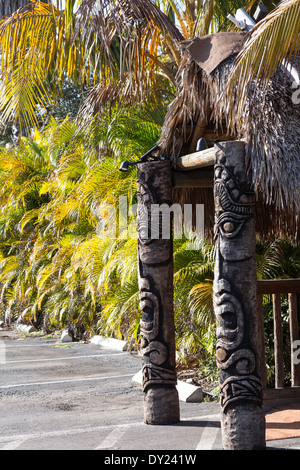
(66,337)
(25,328)
(109,343)
(187,392)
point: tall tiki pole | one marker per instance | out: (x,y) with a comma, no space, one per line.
(243,420)
(155,252)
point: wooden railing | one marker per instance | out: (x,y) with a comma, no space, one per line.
(276,288)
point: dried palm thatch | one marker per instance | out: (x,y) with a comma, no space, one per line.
(270,125)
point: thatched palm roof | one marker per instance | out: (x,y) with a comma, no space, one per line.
(270,127)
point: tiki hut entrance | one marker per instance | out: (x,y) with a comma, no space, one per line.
(270,128)
(247,177)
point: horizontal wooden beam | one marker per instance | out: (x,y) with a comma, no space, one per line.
(193,179)
(275,395)
(192,170)
(278,286)
(196,160)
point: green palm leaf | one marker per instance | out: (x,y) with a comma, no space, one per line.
(275,40)
(111,44)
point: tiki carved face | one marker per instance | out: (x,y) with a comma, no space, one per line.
(151,250)
(234,218)
(233,208)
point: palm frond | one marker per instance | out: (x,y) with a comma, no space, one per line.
(273,41)
(269,260)
(112,43)
(121,315)
(27,43)
(201,302)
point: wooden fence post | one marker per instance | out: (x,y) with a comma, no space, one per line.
(294,336)
(155,251)
(243,420)
(278,341)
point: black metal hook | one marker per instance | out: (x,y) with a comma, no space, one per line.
(202,144)
(125,165)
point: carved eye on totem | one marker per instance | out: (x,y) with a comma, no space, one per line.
(230,224)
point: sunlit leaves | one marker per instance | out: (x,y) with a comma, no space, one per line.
(113,43)
(274,41)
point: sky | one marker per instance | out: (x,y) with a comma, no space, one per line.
(62,3)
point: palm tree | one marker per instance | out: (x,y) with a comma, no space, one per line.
(54,263)
(200,17)
(68,273)
(112,44)
(274,41)
(22,172)
(54,266)
(7,7)
(127,50)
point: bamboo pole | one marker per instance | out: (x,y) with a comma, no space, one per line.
(196,160)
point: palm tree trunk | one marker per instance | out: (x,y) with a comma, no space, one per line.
(7,7)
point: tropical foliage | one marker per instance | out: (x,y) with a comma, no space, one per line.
(54,185)
(57,183)
(256,63)
(126,50)
(57,268)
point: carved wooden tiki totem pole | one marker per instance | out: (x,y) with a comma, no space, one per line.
(243,422)
(161,403)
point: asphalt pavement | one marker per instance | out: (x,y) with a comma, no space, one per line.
(79,396)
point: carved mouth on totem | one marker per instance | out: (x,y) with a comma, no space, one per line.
(149,324)
(230,331)
(230,321)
